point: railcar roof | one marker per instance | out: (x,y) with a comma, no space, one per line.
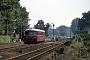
(34,30)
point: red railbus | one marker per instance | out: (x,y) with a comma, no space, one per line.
(34,36)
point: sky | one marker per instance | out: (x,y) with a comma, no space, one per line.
(58,12)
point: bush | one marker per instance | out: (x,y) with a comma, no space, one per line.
(4,39)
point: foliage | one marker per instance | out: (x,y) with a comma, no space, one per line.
(86,40)
(74,25)
(84,21)
(40,25)
(84,50)
(12,10)
(72,51)
(4,39)
(61,31)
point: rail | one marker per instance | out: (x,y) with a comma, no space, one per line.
(31,54)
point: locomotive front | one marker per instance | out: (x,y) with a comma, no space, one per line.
(30,36)
(34,36)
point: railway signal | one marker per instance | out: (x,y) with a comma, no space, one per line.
(53,30)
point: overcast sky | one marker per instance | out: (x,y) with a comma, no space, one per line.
(58,12)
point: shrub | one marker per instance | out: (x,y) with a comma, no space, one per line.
(4,39)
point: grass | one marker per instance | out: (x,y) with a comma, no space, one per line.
(4,39)
(73,50)
(77,52)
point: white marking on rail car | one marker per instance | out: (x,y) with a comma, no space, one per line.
(35,30)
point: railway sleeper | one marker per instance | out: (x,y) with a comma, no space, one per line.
(52,54)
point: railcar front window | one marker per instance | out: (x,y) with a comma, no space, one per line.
(26,32)
(30,33)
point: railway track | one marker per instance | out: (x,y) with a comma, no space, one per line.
(35,51)
(10,50)
(15,50)
(9,47)
(5,46)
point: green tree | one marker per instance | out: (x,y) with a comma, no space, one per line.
(63,31)
(12,10)
(46,28)
(84,21)
(40,25)
(74,25)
